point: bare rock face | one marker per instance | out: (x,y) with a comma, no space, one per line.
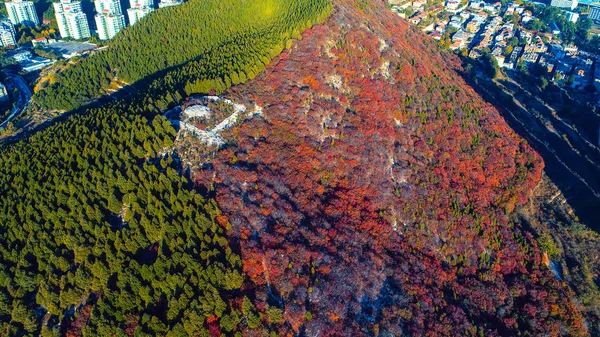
(370,196)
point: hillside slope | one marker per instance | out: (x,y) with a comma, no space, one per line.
(372,196)
(100,235)
(366,190)
(200,45)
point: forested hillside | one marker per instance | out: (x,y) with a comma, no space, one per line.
(86,215)
(374,196)
(200,46)
(370,196)
(100,235)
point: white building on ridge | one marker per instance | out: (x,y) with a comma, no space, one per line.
(572,16)
(135,14)
(594,14)
(108,7)
(139,9)
(169,3)
(71,20)
(7,34)
(108,25)
(572,4)
(22,12)
(109,20)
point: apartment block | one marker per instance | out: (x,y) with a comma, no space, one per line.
(7,34)
(169,3)
(108,25)
(138,9)
(110,19)
(572,4)
(71,20)
(22,12)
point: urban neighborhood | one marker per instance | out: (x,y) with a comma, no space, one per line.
(548,39)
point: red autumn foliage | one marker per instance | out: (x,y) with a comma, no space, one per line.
(72,328)
(374,195)
(131,324)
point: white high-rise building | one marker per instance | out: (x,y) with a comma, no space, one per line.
(3,93)
(169,3)
(78,26)
(110,19)
(141,3)
(22,12)
(7,34)
(572,4)
(108,7)
(137,13)
(139,9)
(595,14)
(572,16)
(71,20)
(108,25)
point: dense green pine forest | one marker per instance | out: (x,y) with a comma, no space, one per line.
(100,234)
(85,210)
(197,47)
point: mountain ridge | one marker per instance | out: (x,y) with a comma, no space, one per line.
(363,182)
(369,192)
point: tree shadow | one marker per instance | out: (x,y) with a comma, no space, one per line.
(106,100)
(572,160)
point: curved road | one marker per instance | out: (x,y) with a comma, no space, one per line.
(24,96)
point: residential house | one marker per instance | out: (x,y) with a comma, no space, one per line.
(473,26)
(475,53)
(529,57)
(526,17)
(572,4)
(436,35)
(571,49)
(571,16)
(563,67)
(537,46)
(510,9)
(417,18)
(477,4)
(547,61)
(557,50)
(480,16)
(455,21)
(514,56)
(493,7)
(582,75)
(460,39)
(40,41)
(525,35)
(3,93)
(500,59)
(418,4)
(452,5)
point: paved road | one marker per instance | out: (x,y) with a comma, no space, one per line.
(24,96)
